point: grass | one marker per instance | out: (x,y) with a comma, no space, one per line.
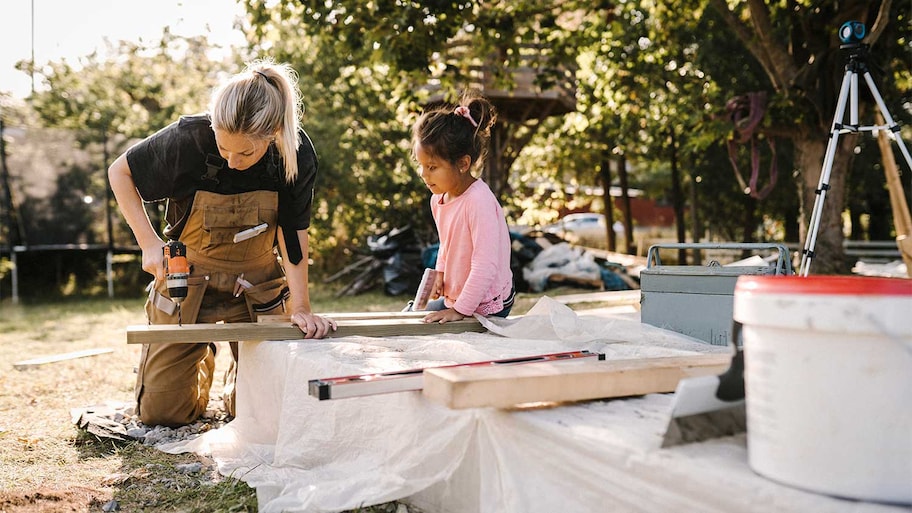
(47,465)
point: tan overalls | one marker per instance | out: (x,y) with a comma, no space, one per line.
(173,382)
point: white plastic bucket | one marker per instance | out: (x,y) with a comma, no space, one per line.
(828,382)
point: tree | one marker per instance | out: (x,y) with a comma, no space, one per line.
(653,77)
(108,102)
(358,112)
(796,44)
(401,48)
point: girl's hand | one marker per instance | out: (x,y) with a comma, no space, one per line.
(444,316)
(313,326)
(437,289)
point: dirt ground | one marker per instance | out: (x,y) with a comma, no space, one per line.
(46,463)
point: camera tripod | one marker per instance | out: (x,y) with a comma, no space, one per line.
(855,66)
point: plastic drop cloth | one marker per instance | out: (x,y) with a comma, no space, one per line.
(302,454)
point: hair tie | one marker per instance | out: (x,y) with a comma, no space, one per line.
(264,75)
(463,111)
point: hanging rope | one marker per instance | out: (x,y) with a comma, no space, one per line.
(746,112)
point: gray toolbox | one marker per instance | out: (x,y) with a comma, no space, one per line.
(698,300)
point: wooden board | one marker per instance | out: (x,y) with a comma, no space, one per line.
(503,387)
(348,316)
(25,364)
(241,331)
(611,298)
(374,383)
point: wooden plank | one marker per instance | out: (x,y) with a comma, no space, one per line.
(348,316)
(241,331)
(374,383)
(611,297)
(503,387)
(25,364)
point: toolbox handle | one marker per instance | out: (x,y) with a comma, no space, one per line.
(783,263)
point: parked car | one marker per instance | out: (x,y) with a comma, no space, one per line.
(585,229)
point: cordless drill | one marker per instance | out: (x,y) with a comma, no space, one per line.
(177,270)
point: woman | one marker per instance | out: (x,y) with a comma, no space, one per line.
(245,166)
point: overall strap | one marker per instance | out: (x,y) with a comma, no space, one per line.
(214,163)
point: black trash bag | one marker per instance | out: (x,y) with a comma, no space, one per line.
(402,273)
(386,244)
(401,253)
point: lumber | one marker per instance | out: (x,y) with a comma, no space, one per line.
(902,218)
(25,364)
(611,297)
(374,383)
(348,316)
(251,331)
(504,387)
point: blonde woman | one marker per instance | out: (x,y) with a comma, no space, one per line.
(239,183)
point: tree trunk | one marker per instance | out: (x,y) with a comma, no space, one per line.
(605,176)
(625,201)
(696,231)
(677,197)
(828,256)
(494,173)
(748,222)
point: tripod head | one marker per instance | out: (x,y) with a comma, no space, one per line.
(851,33)
(858,55)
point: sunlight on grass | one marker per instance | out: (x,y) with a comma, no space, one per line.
(36,431)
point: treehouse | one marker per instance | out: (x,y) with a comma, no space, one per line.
(524,93)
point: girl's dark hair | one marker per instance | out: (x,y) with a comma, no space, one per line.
(448,134)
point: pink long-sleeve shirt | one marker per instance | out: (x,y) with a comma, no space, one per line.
(474,253)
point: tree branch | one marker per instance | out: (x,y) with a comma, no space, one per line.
(783,65)
(880,23)
(744,33)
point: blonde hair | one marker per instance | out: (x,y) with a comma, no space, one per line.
(264,103)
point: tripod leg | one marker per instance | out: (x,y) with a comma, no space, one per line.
(902,217)
(823,185)
(889,119)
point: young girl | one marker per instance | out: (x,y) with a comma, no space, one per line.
(473,262)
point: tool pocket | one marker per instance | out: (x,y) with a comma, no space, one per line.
(160,309)
(220,224)
(267,298)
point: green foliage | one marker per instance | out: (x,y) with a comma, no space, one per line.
(652,81)
(358,112)
(107,102)
(131,92)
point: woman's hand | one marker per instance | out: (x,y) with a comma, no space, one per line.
(153,260)
(444,316)
(313,326)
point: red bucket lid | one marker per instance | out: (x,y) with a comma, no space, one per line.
(824,284)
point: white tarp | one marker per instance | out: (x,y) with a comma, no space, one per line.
(307,455)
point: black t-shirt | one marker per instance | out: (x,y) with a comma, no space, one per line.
(172,164)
